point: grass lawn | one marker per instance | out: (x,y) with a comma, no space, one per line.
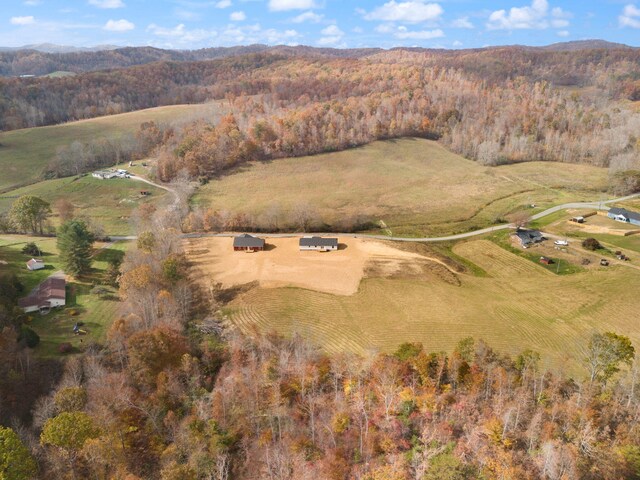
(559,266)
(95,311)
(106,202)
(516,305)
(11,253)
(415,186)
(25,153)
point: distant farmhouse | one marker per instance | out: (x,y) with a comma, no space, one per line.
(320,244)
(49,294)
(107,174)
(248,243)
(624,215)
(35,264)
(529,237)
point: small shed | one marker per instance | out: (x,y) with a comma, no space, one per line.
(320,244)
(577,219)
(248,243)
(546,260)
(35,264)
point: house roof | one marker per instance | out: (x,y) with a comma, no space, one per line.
(626,213)
(318,242)
(53,288)
(248,241)
(529,235)
(35,261)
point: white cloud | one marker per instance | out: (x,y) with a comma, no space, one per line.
(308,17)
(357,30)
(119,25)
(237,17)
(331,35)
(23,20)
(107,3)
(282,5)
(462,22)
(563,33)
(535,16)
(32,3)
(404,34)
(182,37)
(630,17)
(457,43)
(412,11)
(223,4)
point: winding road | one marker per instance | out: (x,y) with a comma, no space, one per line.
(595,205)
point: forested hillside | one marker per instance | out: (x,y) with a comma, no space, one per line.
(496,105)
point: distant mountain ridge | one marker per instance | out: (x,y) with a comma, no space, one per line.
(54,48)
(44,59)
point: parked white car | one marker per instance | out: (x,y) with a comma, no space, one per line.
(562,243)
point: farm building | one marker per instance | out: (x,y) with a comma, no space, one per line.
(104,175)
(318,243)
(529,237)
(35,264)
(49,294)
(624,215)
(546,260)
(248,243)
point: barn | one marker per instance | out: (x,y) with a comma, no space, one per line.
(49,294)
(248,243)
(624,215)
(320,244)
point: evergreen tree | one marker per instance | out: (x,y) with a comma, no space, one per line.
(75,242)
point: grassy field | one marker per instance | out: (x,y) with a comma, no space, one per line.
(24,153)
(415,186)
(107,202)
(513,305)
(96,312)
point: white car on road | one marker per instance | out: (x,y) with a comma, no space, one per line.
(562,243)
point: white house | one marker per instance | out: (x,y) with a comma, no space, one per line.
(49,294)
(35,264)
(320,244)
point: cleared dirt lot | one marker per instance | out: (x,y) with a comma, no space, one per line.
(283,265)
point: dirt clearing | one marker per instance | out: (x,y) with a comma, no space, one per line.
(283,265)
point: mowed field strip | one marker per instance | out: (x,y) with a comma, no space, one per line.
(25,153)
(415,186)
(517,305)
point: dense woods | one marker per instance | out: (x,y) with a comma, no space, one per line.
(495,106)
(174,394)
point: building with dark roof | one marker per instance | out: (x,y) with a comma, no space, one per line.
(321,244)
(248,243)
(50,293)
(529,237)
(624,215)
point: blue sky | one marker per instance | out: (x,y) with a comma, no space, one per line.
(188,24)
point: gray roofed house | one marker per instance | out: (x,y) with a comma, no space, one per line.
(50,293)
(624,215)
(248,243)
(322,244)
(529,237)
